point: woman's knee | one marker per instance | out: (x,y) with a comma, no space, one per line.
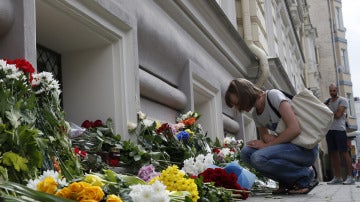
(245,154)
(258,161)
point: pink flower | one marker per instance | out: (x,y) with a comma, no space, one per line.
(146,173)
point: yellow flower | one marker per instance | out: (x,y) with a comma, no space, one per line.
(190,132)
(78,186)
(90,193)
(94,180)
(65,193)
(48,185)
(175,180)
(158,124)
(113,198)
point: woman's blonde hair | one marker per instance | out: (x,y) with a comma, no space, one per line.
(245,91)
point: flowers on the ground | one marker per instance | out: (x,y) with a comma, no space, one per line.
(147,172)
(81,191)
(47,182)
(91,124)
(195,166)
(32,123)
(152,193)
(223,179)
(175,180)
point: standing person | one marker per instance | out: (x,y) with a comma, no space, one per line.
(336,138)
(358,170)
(274,156)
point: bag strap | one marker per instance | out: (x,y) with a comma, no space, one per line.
(327,101)
(272,106)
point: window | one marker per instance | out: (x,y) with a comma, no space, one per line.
(49,61)
(339,18)
(344,62)
(348,96)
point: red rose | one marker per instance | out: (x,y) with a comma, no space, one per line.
(87,124)
(216,150)
(97,123)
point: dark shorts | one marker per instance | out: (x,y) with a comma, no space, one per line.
(337,140)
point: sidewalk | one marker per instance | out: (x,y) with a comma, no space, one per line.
(321,193)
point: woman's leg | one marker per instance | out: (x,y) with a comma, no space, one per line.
(286,163)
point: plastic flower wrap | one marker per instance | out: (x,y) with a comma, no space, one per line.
(175,180)
(198,165)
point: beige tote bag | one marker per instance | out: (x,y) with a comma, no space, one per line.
(315,119)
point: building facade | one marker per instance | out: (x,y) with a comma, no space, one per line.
(332,49)
(115,58)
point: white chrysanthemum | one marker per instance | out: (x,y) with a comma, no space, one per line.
(200,158)
(136,188)
(209,159)
(2,63)
(141,193)
(198,165)
(32,184)
(158,187)
(163,197)
(14,75)
(46,82)
(55,175)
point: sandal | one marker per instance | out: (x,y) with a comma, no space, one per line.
(304,190)
(280,191)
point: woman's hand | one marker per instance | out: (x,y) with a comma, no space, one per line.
(268,138)
(257,144)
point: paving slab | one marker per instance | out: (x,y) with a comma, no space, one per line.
(321,193)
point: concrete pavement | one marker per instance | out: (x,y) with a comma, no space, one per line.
(321,193)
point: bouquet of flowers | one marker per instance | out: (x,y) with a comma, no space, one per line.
(32,126)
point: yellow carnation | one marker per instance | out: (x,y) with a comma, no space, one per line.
(48,185)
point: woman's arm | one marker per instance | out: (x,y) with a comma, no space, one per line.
(292,129)
(265,136)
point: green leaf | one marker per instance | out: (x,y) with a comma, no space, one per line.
(137,157)
(131,180)
(14,160)
(33,194)
(14,117)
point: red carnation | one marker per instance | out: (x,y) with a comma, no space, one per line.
(24,65)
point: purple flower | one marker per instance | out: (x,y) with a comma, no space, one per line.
(183,135)
(146,173)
